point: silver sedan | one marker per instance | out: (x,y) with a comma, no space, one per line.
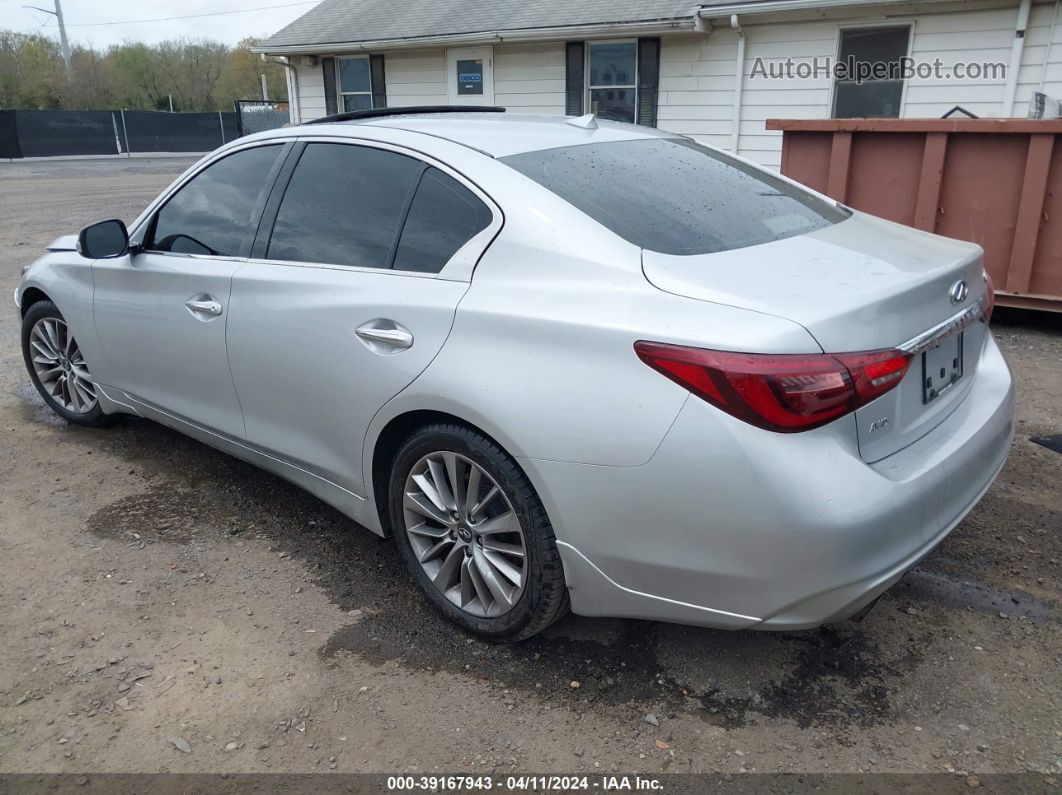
(566,364)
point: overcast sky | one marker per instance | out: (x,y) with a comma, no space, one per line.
(83,17)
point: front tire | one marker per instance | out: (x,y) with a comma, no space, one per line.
(57,367)
(475,534)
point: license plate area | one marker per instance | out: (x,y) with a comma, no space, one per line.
(941,367)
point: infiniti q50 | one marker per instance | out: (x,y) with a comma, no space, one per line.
(566,364)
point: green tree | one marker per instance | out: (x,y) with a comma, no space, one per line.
(136,76)
(87,86)
(200,75)
(31,71)
(243,77)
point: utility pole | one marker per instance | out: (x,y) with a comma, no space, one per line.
(62,34)
(265,90)
(63,41)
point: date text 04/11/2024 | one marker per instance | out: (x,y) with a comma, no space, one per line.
(518,783)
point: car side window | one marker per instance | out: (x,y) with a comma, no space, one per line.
(443,217)
(215,212)
(344,206)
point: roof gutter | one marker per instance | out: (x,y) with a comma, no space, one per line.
(677,25)
(774,6)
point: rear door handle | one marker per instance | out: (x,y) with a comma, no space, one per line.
(394,337)
(204,307)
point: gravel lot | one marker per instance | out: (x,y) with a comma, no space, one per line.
(166,608)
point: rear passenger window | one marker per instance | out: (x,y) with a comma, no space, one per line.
(443,217)
(344,206)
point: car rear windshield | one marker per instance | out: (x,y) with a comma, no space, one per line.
(675,196)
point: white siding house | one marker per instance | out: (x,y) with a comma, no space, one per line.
(700,55)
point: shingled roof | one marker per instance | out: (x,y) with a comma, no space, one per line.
(395,23)
(362,21)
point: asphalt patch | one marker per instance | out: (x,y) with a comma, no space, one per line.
(952,591)
(840,679)
(159,514)
(34,409)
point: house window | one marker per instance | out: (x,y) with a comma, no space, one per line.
(612,79)
(355,83)
(879,53)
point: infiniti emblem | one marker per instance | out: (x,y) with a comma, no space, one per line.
(959,291)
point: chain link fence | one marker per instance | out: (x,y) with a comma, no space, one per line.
(256,115)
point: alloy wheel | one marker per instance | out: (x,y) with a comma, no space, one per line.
(465,534)
(60,367)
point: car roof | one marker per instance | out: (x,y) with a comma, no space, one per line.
(495,134)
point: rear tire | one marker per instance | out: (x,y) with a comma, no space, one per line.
(491,551)
(57,367)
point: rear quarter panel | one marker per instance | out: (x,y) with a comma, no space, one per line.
(541,355)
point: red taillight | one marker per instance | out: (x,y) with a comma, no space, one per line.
(990,298)
(779,392)
(875,372)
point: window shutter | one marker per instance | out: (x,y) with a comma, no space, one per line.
(574,77)
(328,68)
(648,80)
(379,84)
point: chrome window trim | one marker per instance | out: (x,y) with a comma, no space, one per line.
(460,266)
(209,257)
(351,268)
(955,323)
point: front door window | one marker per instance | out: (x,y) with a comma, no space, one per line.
(215,212)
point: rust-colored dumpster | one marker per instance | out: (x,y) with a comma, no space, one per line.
(997,182)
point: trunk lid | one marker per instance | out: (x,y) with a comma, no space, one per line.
(862,284)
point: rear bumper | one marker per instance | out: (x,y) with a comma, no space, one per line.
(730,526)
(838,604)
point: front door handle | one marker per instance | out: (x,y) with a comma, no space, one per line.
(393,337)
(204,307)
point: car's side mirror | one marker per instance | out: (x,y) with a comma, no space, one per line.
(103,240)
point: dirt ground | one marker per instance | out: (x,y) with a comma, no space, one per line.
(166,608)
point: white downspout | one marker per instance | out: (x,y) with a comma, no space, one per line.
(1050,44)
(294,105)
(1015,58)
(739,83)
